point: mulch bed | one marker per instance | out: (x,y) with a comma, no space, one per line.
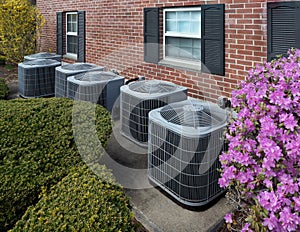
(9,72)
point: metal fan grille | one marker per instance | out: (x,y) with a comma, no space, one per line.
(36,78)
(40,62)
(152,86)
(195,115)
(78,66)
(63,72)
(95,76)
(183,161)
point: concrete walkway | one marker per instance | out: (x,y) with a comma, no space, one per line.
(153,209)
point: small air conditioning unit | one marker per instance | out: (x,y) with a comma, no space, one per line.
(64,71)
(43,55)
(138,98)
(185,140)
(36,78)
(97,86)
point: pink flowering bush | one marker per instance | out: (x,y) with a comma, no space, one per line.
(261,168)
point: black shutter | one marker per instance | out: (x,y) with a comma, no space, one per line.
(151,35)
(59,33)
(283,27)
(81,36)
(212,39)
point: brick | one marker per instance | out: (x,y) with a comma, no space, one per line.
(114,38)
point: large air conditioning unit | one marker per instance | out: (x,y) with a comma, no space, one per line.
(67,70)
(36,78)
(99,87)
(185,141)
(43,55)
(136,101)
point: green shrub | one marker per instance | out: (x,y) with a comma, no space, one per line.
(80,202)
(37,149)
(4,90)
(20,29)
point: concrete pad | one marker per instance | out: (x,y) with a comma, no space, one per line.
(154,209)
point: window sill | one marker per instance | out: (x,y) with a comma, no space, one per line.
(70,57)
(180,65)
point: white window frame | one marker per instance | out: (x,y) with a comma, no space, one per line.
(72,55)
(181,35)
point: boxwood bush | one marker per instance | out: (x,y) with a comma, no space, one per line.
(37,149)
(4,90)
(82,201)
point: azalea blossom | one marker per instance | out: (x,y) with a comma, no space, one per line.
(263,159)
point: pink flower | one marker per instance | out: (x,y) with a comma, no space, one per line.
(289,121)
(263,159)
(228,218)
(288,220)
(272,223)
(246,228)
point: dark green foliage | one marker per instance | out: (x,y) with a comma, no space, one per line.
(4,90)
(37,149)
(82,201)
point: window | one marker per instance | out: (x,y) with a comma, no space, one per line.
(283,27)
(193,37)
(70,35)
(182,35)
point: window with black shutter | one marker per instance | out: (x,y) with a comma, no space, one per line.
(193,37)
(70,35)
(283,25)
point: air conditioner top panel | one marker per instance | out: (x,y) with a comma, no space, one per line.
(97,76)
(39,63)
(192,117)
(78,67)
(152,88)
(94,77)
(42,55)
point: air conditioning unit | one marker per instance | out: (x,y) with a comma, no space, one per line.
(97,86)
(64,71)
(138,98)
(43,55)
(36,78)
(185,140)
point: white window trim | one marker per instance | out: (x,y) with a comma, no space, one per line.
(68,54)
(174,34)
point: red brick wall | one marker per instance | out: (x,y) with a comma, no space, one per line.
(114,38)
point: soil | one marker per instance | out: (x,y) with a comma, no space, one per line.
(9,72)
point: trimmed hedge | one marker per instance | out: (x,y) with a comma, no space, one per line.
(37,149)
(4,90)
(80,202)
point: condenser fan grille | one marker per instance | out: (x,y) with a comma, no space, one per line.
(152,87)
(36,78)
(95,76)
(40,62)
(194,115)
(78,66)
(182,160)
